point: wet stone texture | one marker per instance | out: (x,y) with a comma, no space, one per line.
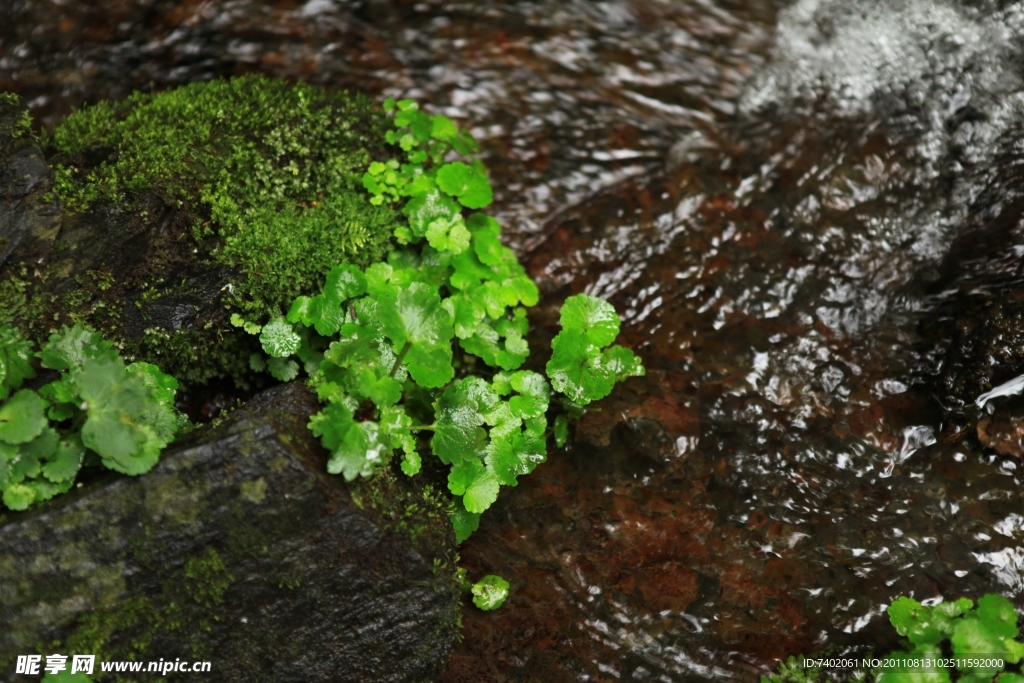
(237,549)
(24,180)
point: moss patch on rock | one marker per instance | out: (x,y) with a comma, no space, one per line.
(231,196)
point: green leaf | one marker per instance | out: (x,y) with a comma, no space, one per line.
(414,320)
(324,314)
(411,463)
(516,455)
(15,360)
(972,637)
(481,492)
(577,368)
(32,454)
(917,622)
(998,615)
(343,283)
(595,318)
(383,391)
(561,430)
(299,311)
(534,394)
(445,235)
(19,496)
(466,314)
(464,521)
(23,417)
(443,129)
(467,183)
(8,456)
(72,346)
(427,208)
(283,369)
(279,338)
(1014,651)
(622,362)
(486,244)
(163,386)
(356,447)
(463,475)
(66,461)
(125,426)
(490,592)
(458,432)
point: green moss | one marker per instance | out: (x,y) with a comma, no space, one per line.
(22,125)
(271,171)
(420,514)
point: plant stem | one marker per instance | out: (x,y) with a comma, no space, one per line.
(401,356)
(424,428)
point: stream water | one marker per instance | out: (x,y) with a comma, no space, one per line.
(791,204)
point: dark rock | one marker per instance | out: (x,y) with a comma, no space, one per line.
(238,549)
(25,212)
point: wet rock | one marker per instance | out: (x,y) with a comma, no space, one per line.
(240,550)
(1003,432)
(24,181)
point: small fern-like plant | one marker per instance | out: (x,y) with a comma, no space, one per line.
(423,351)
(98,411)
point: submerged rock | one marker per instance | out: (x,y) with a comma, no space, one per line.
(238,549)
(1003,432)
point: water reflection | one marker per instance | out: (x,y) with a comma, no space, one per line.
(788,205)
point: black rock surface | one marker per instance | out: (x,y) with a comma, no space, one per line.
(237,549)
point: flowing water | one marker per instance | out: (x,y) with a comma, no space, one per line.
(793,205)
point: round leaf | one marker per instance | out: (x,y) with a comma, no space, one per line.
(467,183)
(23,417)
(596,318)
(279,339)
(490,592)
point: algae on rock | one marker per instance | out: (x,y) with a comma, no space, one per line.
(183,207)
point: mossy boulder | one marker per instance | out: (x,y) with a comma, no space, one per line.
(238,549)
(179,209)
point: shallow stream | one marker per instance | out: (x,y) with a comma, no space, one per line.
(790,204)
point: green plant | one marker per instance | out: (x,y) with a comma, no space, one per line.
(490,592)
(944,642)
(381,344)
(982,640)
(97,411)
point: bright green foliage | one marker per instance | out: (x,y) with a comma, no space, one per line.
(380,342)
(490,592)
(975,636)
(579,368)
(561,430)
(97,408)
(985,632)
(15,361)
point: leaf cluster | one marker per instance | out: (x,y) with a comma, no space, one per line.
(975,634)
(423,351)
(98,411)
